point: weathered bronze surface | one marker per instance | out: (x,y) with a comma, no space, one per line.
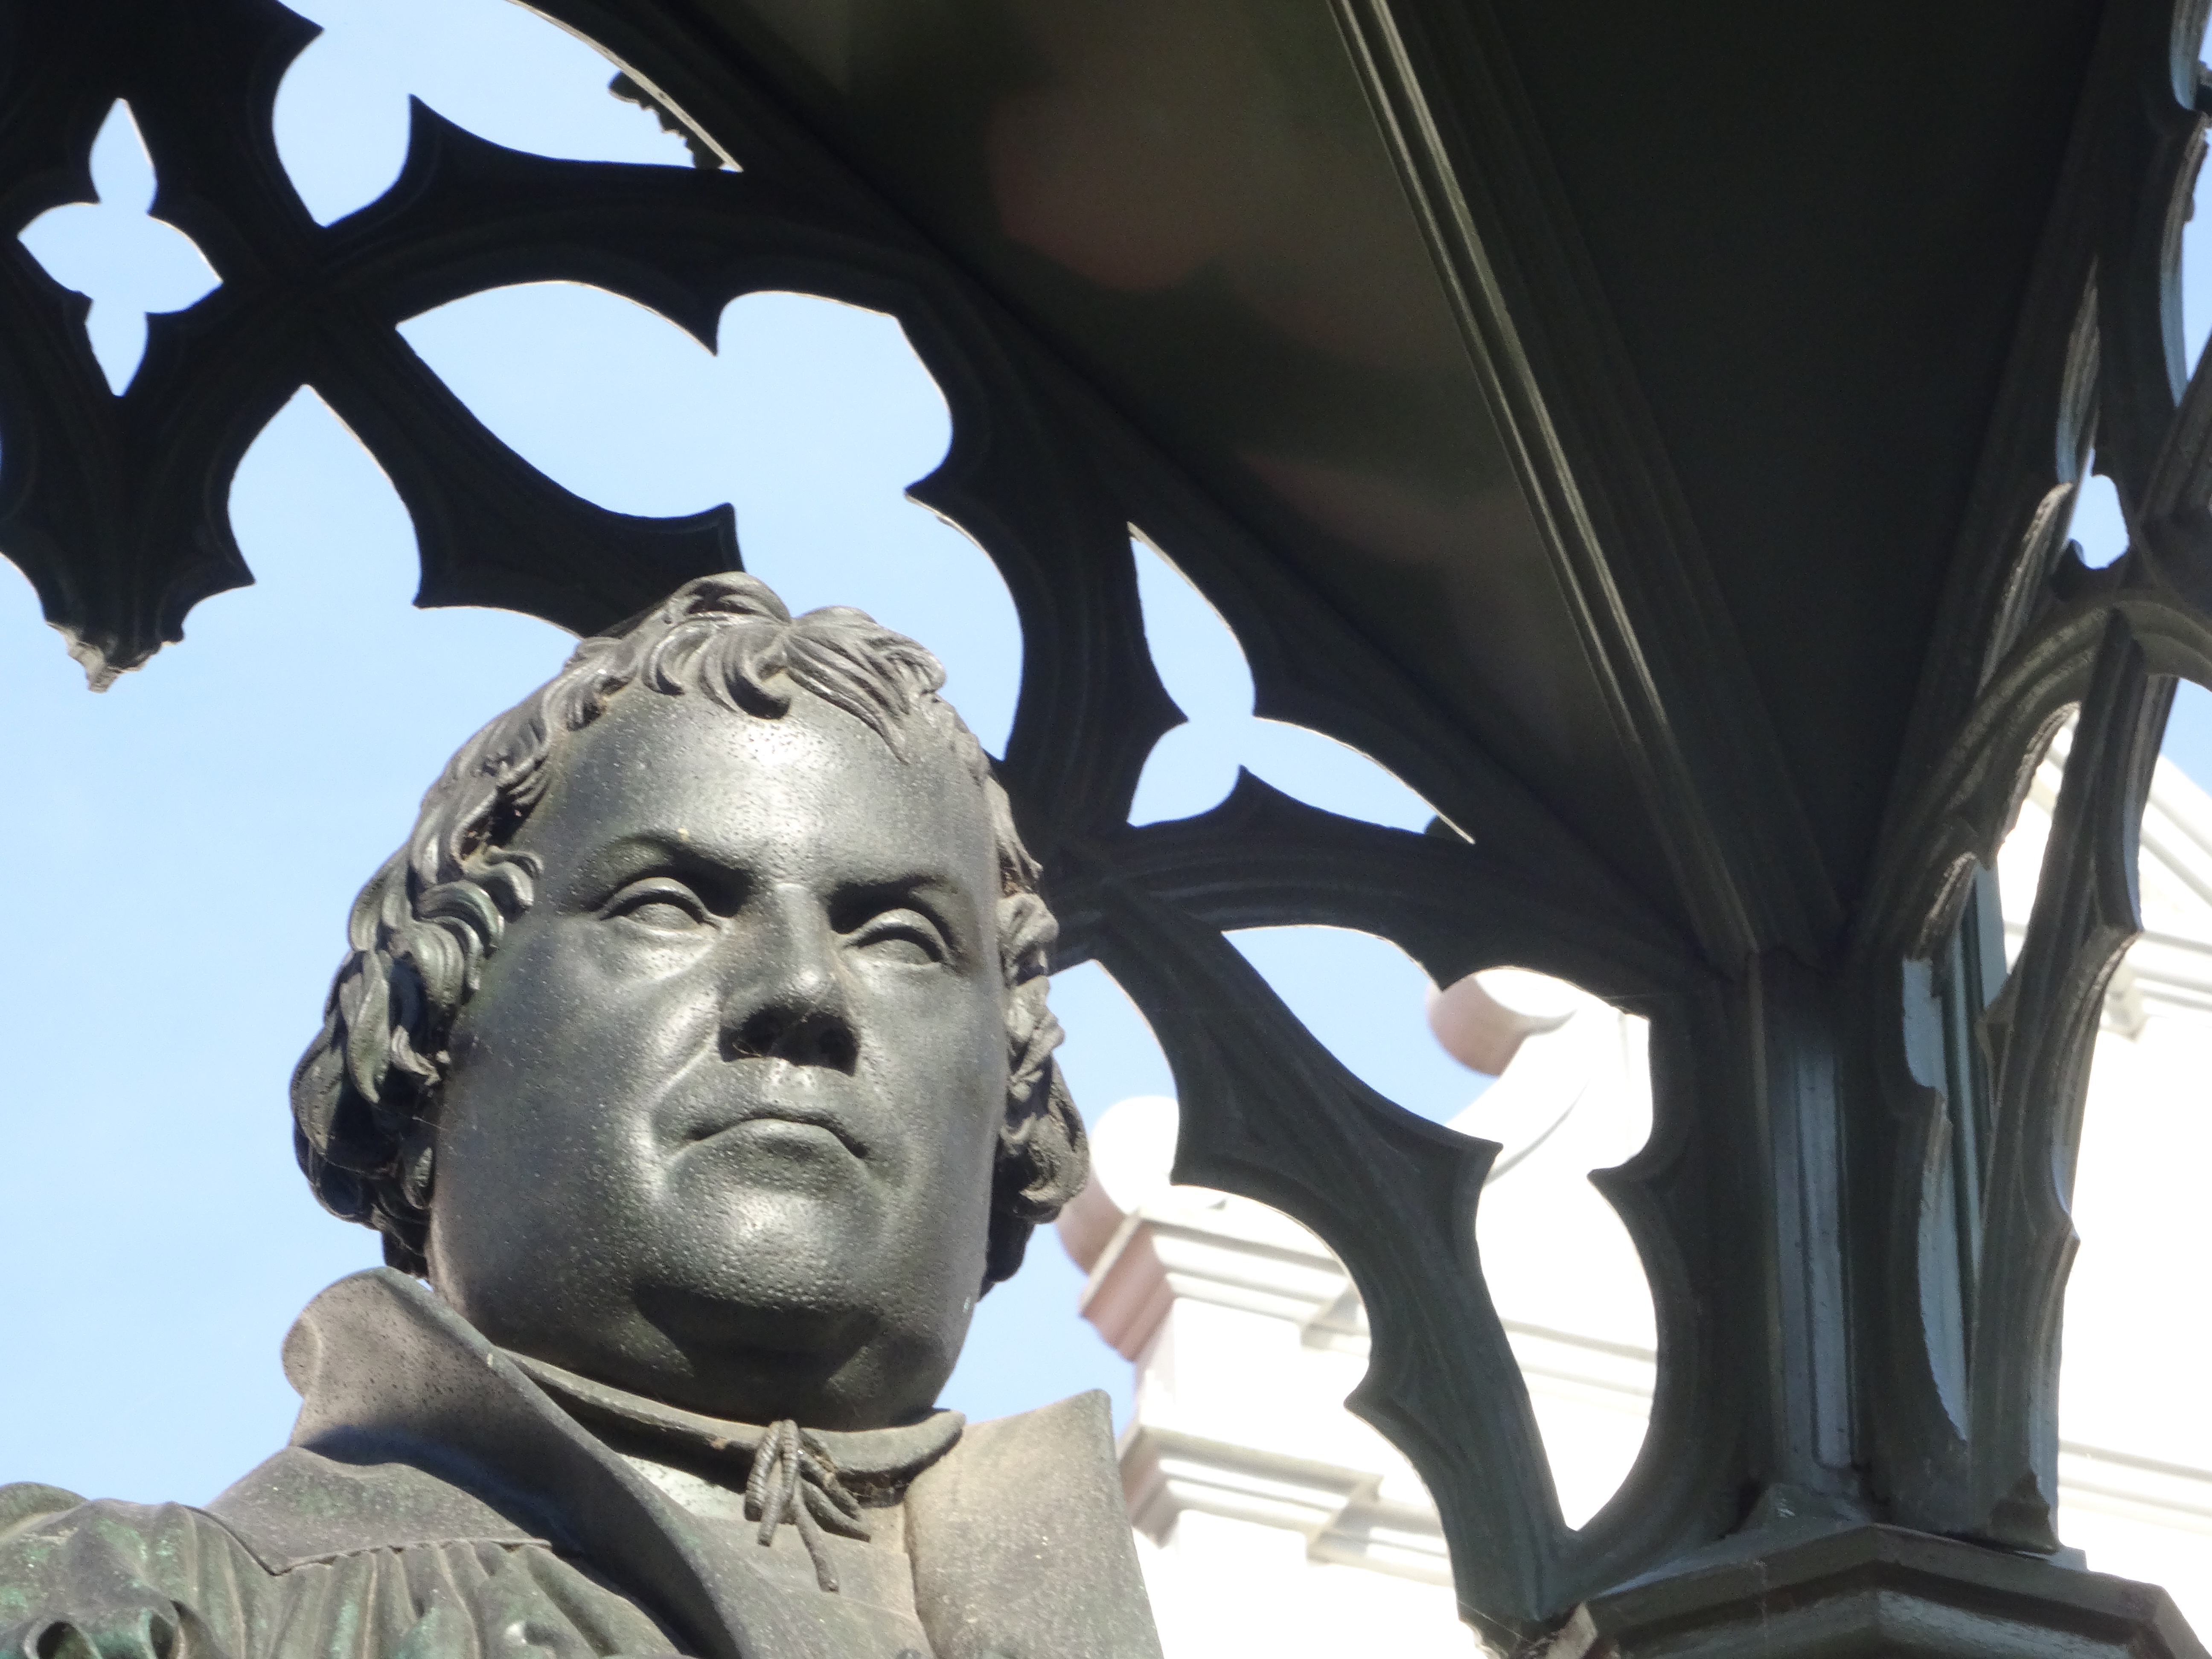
(695,1047)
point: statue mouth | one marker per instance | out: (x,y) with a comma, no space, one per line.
(772,1117)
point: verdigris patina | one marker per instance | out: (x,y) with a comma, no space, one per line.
(695,1051)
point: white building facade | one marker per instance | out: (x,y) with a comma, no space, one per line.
(1270,1519)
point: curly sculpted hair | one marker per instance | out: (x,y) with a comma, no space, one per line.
(365,1095)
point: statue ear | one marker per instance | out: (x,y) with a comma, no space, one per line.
(1044,1159)
(417,1160)
(1043,1138)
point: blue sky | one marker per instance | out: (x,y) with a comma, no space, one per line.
(190,841)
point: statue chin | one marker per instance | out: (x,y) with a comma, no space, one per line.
(777,1308)
(768,1350)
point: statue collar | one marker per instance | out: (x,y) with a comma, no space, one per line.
(414,1430)
(805,1478)
(876,1463)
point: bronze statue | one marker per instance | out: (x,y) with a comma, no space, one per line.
(695,1049)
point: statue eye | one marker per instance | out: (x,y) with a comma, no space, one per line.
(906,935)
(659,904)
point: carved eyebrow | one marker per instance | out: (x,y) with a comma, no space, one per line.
(608,868)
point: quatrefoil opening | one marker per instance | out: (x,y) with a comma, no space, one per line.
(113,250)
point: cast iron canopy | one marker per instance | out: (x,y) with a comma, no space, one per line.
(1621,377)
(1765,264)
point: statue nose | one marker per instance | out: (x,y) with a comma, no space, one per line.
(787,1000)
(797,1035)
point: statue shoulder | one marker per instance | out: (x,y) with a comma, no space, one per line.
(26,1501)
(1020,1540)
(377,1577)
(300,1506)
(117,1576)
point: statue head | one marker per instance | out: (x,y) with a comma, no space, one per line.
(696,1040)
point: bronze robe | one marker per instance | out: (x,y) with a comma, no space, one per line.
(436,1502)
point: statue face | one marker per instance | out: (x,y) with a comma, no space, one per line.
(720,1119)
